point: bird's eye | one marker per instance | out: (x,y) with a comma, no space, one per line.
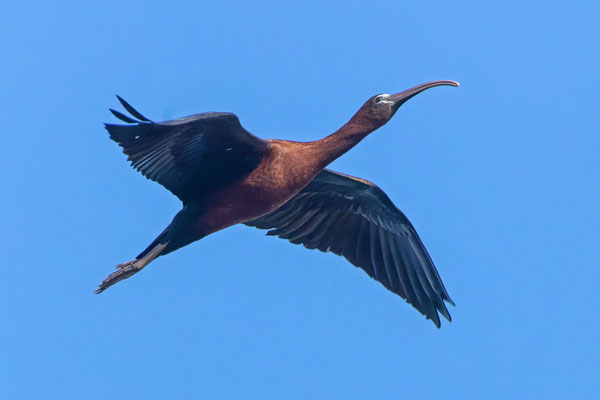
(377,99)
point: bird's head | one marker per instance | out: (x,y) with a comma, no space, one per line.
(379,109)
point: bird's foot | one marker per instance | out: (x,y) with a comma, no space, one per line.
(128,263)
(124,271)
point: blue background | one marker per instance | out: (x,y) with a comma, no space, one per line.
(500,177)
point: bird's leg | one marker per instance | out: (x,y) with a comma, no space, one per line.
(129,268)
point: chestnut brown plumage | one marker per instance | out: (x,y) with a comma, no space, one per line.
(224,176)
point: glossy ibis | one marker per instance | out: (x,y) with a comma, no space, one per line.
(224,176)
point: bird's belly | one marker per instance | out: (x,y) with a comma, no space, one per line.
(247,200)
(241,204)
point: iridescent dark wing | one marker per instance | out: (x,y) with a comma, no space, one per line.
(354,218)
(188,155)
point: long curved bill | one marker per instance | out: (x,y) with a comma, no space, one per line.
(402,97)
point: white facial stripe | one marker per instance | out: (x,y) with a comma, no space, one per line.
(383,98)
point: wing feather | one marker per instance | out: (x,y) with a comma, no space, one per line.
(353,218)
(191,155)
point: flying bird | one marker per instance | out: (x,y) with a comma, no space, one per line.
(224,176)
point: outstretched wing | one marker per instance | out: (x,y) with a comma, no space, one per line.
(188,155)
(353,218)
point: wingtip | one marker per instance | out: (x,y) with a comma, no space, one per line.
(132,110)
(436,320)
(444,311)
(120,99)
(123,117)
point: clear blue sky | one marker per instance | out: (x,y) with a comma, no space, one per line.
(500,178)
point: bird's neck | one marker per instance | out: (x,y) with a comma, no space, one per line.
(324,151)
